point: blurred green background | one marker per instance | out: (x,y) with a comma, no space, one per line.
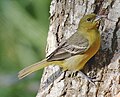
(23,32)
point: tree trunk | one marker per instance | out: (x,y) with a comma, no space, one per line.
(104,66)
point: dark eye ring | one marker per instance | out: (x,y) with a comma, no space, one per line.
(88,19)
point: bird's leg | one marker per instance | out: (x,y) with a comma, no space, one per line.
(88,78)
(73,74)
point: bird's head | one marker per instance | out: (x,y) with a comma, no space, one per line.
(89,22)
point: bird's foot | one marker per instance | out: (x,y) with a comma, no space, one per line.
(91,80)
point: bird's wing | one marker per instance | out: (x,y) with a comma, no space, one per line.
(76,44)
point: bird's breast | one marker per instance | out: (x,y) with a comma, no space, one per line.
(77,62)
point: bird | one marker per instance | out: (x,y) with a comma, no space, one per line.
(74,52)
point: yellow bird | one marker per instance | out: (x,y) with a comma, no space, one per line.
(72,53)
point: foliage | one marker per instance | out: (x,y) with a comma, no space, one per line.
(23,32)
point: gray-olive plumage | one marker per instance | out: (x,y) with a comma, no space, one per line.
(76,44)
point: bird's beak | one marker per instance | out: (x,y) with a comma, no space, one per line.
(97,20)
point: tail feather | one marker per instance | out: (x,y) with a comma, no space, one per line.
(32,68)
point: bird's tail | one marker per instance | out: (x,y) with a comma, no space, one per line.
(32,68)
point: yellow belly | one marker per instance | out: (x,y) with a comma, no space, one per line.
(90,53)
(77,62)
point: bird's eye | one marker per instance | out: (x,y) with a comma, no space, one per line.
(89,19)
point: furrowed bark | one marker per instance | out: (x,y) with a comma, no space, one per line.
(104,66)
